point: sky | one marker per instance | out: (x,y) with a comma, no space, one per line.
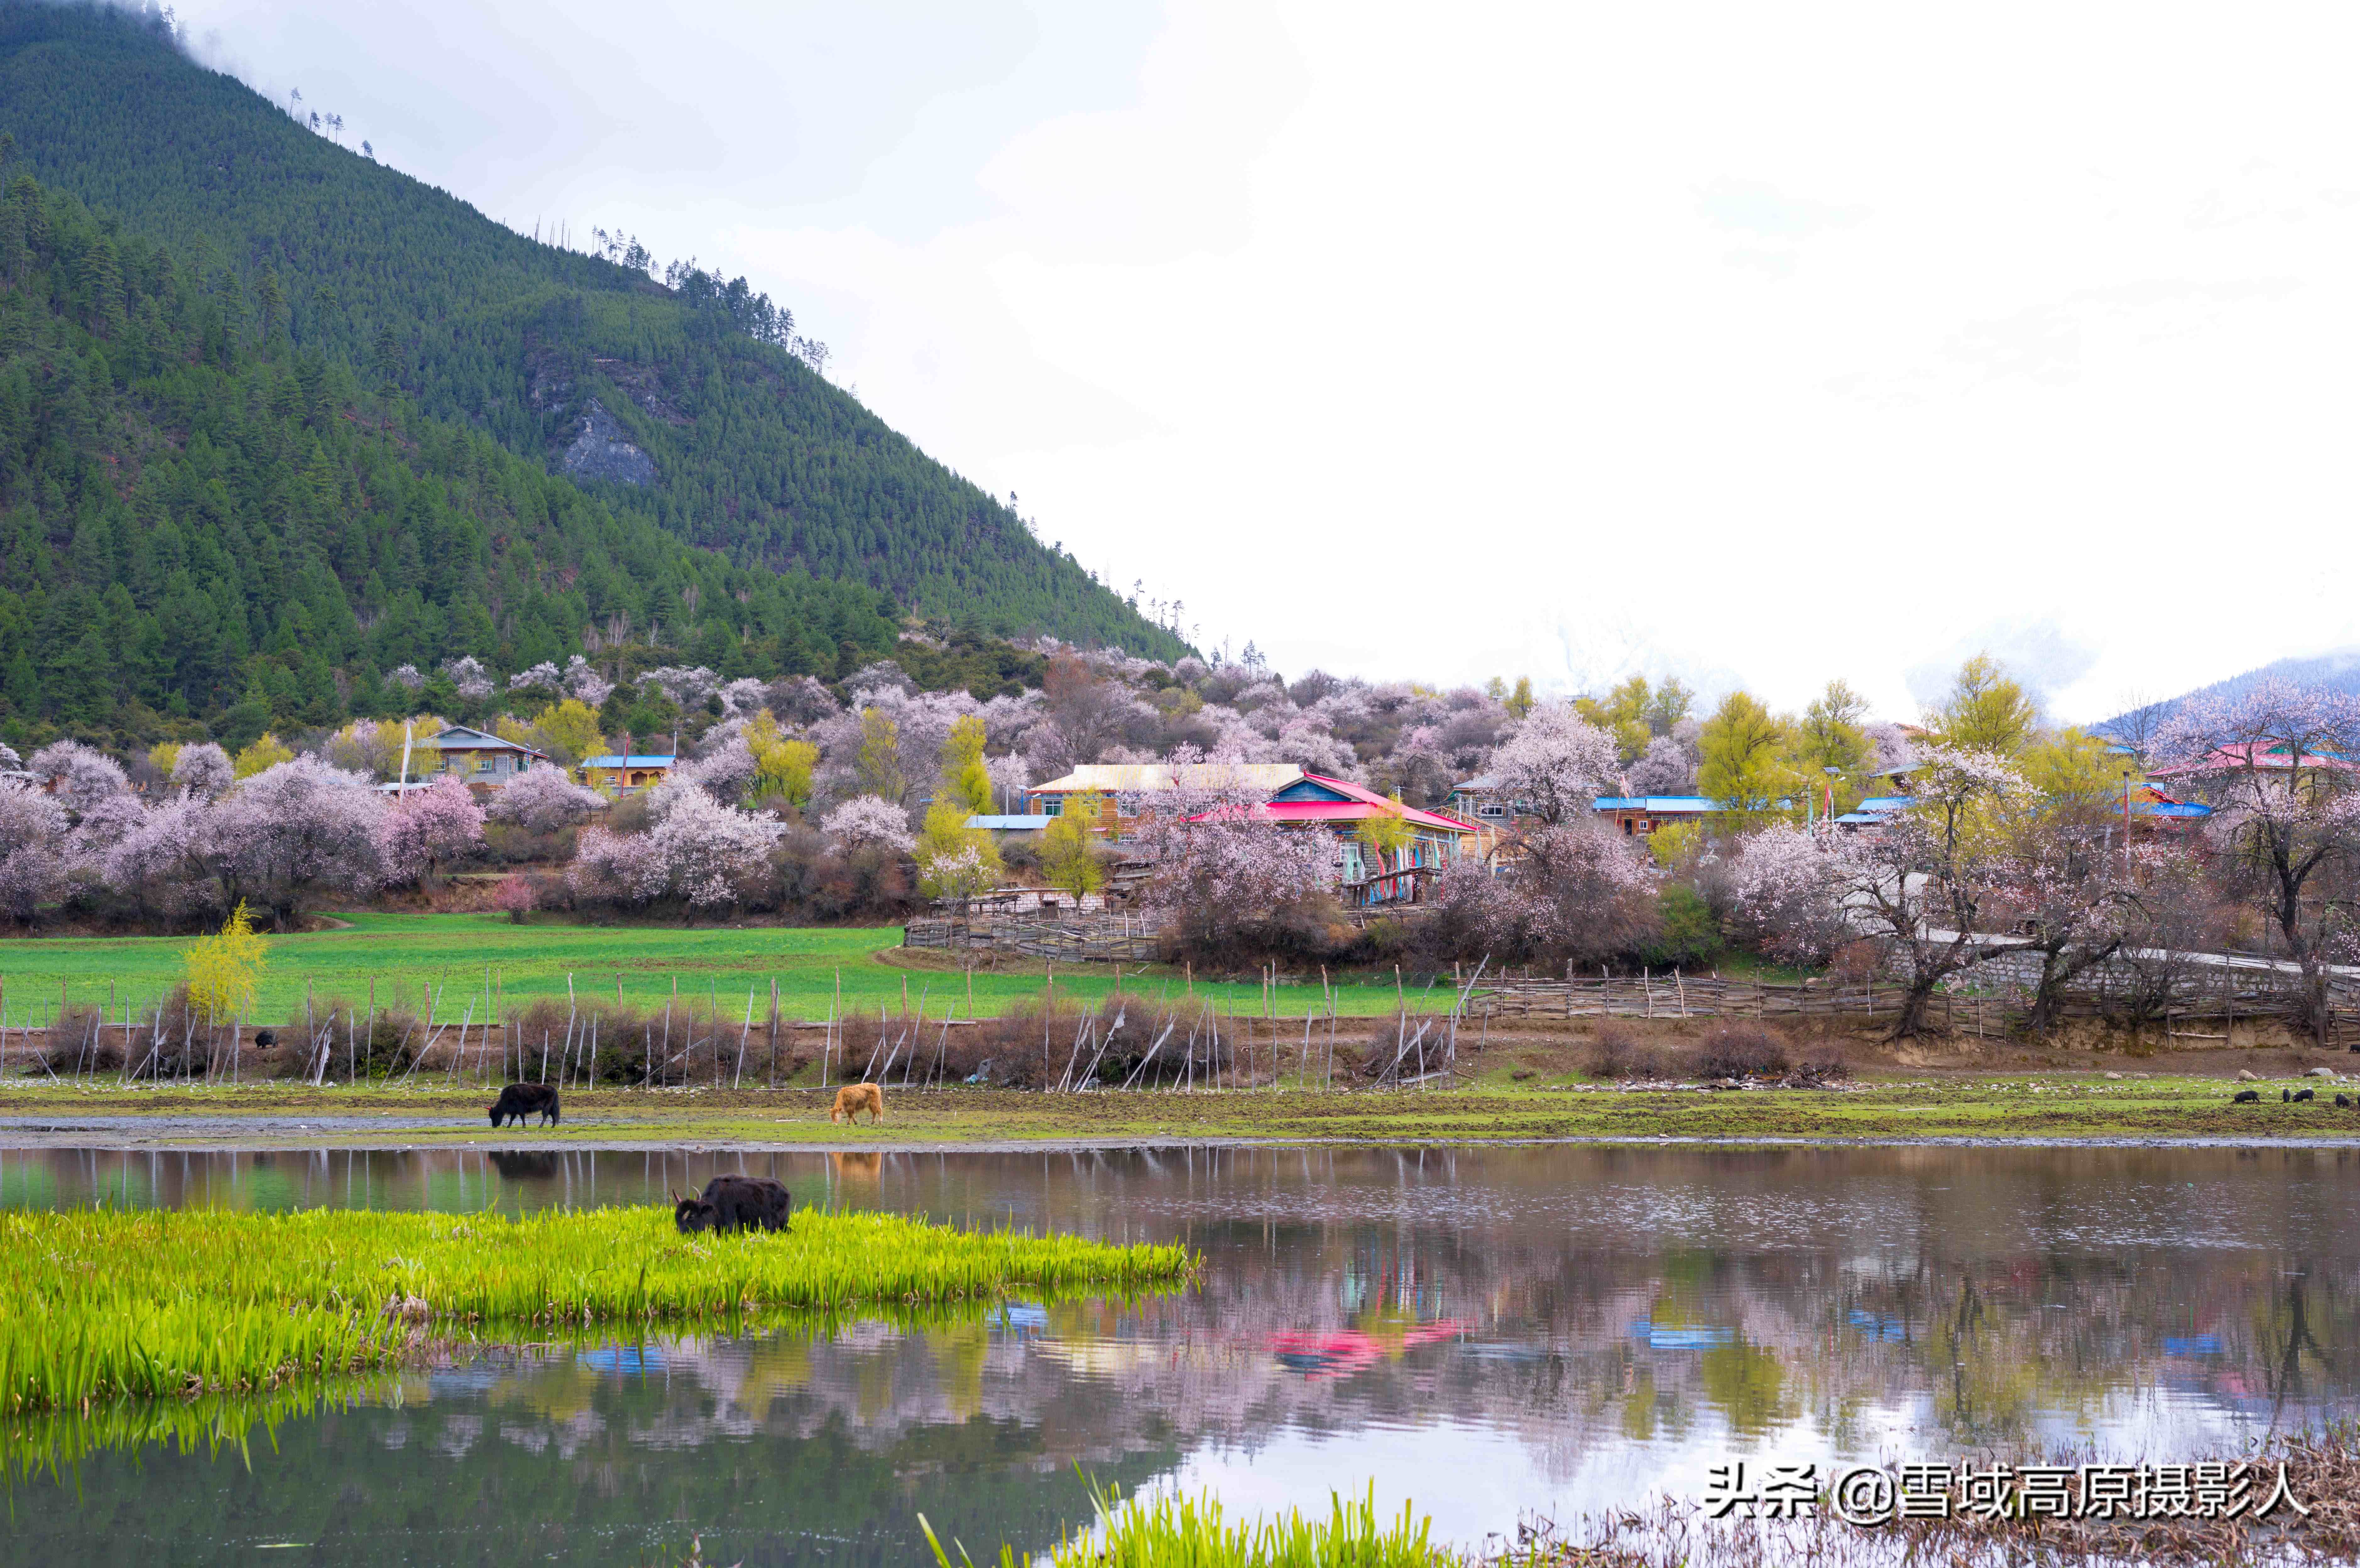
(1752,344)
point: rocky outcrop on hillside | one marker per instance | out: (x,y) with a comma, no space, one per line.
(601,450)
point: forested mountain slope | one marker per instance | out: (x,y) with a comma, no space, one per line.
(201,520)
(666,410)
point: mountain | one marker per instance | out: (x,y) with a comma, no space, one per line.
(2336,670)
(676,405)
(204,525)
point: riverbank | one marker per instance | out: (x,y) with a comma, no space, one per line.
(2047,1106)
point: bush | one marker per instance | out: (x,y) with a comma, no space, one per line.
(1616,1052)
(1741,1050)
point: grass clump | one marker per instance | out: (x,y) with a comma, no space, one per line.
(1174,1531)
(101,1303)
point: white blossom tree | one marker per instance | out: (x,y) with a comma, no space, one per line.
(84,776)
(704,848)
(1926,888)
(204,771)
(1555,764)
(869,819)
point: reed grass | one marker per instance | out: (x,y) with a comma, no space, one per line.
(1169,1531)
(102,1303)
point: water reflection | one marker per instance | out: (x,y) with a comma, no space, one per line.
(1483,1330)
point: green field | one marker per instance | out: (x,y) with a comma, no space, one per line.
(459,955)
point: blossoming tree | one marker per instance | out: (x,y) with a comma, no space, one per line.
(2279,765)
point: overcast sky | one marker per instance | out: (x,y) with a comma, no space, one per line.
(1755,344)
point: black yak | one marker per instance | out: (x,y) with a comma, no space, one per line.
(521,1100)
(733,1202)
(2300,1095)
(2245,1097)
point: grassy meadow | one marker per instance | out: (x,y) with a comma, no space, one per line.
(109,1303)
(459,955)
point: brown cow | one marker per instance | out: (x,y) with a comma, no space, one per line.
(855,1098)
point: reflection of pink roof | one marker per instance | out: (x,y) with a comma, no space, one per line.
(1340,1351)
(1364,804)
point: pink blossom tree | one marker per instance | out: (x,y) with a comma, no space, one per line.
(1221,870)
(543,800)
(1555,764)
(616,869)
(426,829)
(2279,765)
(295,830)
(33,850)
(1577,894)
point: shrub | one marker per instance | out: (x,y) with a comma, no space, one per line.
(1616,1052)
(1741,1050)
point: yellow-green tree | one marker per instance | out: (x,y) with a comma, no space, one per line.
(955,861)
(224,971)
(1520,701)
(568,732)
(877,764)
(1069,857)
(1386,835)
(2070,765)
(1830,733)
(163,754)
(1743,751)
(267,751)
(782,767)
(1986,710)
(965,778)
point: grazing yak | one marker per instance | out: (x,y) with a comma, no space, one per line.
(2343,1101)
(2245,1097)
(2300,1095)
(733,1202)
(855,1098)
(521,1100)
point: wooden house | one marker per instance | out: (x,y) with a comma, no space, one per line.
(477,757)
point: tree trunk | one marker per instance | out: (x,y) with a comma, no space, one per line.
(1916,1001)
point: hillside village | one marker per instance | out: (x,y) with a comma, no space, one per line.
(1252,822)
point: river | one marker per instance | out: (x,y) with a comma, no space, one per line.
(1490,1332)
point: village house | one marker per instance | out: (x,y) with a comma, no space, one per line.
(1128,792)
(1366,875)
(620,775)
(1483,801)
(477,757)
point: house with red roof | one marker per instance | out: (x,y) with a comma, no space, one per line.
(1365,875)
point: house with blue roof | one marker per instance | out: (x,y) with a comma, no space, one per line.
(619,775)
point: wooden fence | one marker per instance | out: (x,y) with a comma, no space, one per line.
(1085,939)
(2206,994)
